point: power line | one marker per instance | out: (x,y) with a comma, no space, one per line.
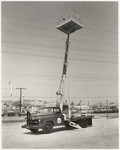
(70,96)
(35,20)
(115,32)
(29,26)
(94,50)
(33,34)
(69,77)
(42,55)
(76,49)
(100,36)
(55,31)
(47,56)
(39,50)
(29,19)
(77,40)
(93,79)
(56,52)
(54,74)
(31,43)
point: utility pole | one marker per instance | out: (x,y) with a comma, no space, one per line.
(11,94)
(80,102)
(88,104)
(20,96)
(107,108)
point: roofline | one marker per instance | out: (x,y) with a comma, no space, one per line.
(50,107)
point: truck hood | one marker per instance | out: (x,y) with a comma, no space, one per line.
(36,116)
(39,115)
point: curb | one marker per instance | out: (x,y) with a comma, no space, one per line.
(13,121)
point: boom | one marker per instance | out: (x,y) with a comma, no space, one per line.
(67,24)
(61,91)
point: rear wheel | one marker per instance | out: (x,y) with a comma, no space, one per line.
(48,128)
(34,130)
(83,123)
(67,124)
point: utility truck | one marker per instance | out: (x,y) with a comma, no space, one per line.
(48,117)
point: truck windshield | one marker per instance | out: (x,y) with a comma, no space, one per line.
(46,111)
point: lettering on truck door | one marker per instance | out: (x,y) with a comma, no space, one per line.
(58,117)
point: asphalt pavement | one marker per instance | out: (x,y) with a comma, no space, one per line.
(102,135)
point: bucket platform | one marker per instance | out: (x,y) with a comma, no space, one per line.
(70,23)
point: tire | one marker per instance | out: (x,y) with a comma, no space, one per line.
(83,123)
(67,124)
(34,130)
(48,127)
(28,117)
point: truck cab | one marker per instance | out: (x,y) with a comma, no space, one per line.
(45,119)
(48,117)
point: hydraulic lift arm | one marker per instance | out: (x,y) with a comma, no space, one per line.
(67,24)
(61,91)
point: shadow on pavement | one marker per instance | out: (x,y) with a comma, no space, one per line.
(54,130)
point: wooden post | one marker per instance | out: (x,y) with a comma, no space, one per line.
(107,108)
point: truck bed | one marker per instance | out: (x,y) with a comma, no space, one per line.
(79,119)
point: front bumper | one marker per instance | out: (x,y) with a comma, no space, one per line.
(32,126)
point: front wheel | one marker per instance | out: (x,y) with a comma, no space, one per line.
(48,128)
(83,123)
(67,124)
(34,130)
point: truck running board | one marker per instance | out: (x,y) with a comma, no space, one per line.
(73,124)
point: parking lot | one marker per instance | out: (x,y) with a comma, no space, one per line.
(102,135)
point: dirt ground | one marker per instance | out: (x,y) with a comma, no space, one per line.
(102,135)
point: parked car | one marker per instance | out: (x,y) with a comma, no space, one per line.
(23,113)
(3,114)
(11,112)
(84,113)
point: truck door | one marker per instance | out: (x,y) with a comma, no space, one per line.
(58,116)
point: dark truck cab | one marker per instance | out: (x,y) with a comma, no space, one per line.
(48,117)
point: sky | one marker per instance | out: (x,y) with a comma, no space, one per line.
(33,50)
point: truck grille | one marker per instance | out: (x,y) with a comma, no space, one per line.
(34,122)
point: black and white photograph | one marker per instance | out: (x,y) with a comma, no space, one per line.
(59,75)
